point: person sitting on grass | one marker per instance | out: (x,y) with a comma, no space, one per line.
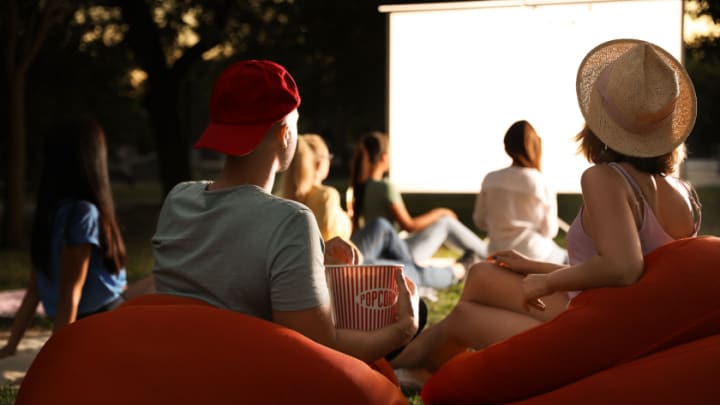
(78,255)
(516,205)
(375,196)
(378,241)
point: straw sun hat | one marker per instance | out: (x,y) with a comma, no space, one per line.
(636,97)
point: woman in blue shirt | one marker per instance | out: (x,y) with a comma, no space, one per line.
(77,253)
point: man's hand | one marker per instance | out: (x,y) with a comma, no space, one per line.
(408,295)
(340,251)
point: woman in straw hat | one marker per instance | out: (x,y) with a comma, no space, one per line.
(639,106)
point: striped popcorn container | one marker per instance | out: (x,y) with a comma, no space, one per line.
(363,296)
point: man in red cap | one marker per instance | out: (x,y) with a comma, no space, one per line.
(233,244)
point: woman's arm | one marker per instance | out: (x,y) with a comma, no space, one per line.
(74,263)
(316,323)
(22,318)
(517,262)
(420,222)
(608,218)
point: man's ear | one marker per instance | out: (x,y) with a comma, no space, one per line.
(284,135)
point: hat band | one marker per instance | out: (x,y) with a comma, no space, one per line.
(641,123)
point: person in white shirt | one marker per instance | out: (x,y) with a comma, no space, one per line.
(516,206)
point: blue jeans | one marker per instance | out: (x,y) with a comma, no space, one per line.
(423,244)
(380,243)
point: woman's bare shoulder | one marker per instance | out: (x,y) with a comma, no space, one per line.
(601,175)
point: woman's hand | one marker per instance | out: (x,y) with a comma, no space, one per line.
(340,251)
(535,286)
(512,260)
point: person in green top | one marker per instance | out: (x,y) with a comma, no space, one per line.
(374,195)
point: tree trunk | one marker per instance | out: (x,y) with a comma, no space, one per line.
(14,221)
(172,147)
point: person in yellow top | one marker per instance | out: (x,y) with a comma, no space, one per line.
(303,182)
(378,242)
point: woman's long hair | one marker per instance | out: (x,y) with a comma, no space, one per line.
(75,166)
(298,180)
(367,153)
(595,151)
(523,145)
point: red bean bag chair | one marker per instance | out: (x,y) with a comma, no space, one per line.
(675,302)
(162,349)
(684,374)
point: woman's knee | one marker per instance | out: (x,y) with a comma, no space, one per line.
(445,221)
(479,274)
(481,282)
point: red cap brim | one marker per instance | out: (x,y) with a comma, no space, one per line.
(235,140)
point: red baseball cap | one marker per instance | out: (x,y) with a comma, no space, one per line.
(247,99)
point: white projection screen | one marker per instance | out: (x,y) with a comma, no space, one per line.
(460,73)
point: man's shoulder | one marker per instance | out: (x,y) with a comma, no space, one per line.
(286,204)
(188,186)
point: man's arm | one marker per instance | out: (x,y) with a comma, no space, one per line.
(316,323)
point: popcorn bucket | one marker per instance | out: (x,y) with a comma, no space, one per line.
(363,296)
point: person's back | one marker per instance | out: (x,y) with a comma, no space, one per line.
(77,252)
(374,196)
(303,182)
(639,107)
(379,196)
(203,248)
(664,207)
(76,222)
(233,244)
(324,202)
(516,205)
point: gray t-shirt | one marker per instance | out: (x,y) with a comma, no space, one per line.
(239,248)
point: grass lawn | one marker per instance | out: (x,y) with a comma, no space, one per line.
(138,207)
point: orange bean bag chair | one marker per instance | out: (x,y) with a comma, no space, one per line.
(162,349)
(685,374)
(616,331)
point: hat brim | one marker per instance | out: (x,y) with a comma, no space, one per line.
(235,140)
(657,142)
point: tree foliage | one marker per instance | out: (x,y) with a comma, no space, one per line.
(703,64)
(145,69)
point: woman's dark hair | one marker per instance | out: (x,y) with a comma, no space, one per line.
(75,166)
(523,145)
(367,153)
(595,151)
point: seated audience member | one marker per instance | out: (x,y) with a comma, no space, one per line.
(378,242)
(516,206)
(374,195)
(303,182)
(77,254)
(639,107)
(233,244)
